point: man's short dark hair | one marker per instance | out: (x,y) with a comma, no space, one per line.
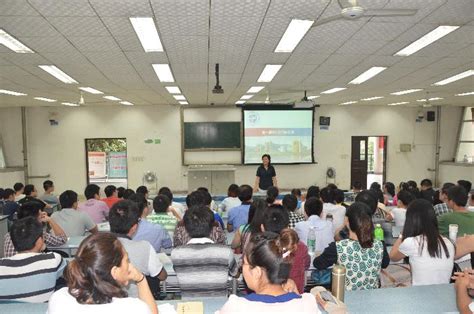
(128,193)
(467,185)
(161,204)
(426,182)
(207,196)
(47,184)
(91,190)
(167,192)
(195,198)
(25,232)
(142,189)
(357,185)
(198,221)
(7,193)
(123,216)
(109,190)
(458,195)
(233,190)
(30,209)
(290,202)
(313,206)
(245,193)
(338,196)
(141,202)
(275,219)
(67,199)
(18,186)
(446,187)
(327,195)
(120,191)
(369,198)
(406,197)
(29,188)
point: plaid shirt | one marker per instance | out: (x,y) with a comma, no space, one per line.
(294,219)
(181,237)
(49,240)
(441,209)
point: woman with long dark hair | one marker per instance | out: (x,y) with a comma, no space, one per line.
(242,235)
(431,255)
(388,193)
(96,279)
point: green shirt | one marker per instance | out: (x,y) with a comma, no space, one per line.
(168,222)
(464,220)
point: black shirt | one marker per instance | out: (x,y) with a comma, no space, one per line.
(266,176)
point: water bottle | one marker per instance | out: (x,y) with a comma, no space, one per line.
(338,282)
(378,232)
(311,242)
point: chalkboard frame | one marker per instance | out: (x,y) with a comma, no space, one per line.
(204,149)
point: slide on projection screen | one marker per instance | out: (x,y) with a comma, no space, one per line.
(285,134)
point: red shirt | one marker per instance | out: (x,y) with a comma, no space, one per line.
(301,261)
(110,201)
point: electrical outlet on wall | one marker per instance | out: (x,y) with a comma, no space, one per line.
(138,158)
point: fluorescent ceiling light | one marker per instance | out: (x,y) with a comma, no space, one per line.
(367,75)
(424,41)
(240,102)
(113,98)
(429,99)
(465,94)
(269,73)
(333,90)
(45,99)
(245,97)
(179,97)
(293,35)
(398,103)
(163,71)
(173,89)
(91,90)
(11,42)
(349,102)
(407,91)
(372,98)
(57,73)
(312,97)
(255,89)
(126,103)
(183,102)
(455,78)
(70,104)
(10,92)
(147,33)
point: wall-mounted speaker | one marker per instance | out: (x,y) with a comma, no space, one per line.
(430,116)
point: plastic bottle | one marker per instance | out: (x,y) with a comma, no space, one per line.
(311,242)
(378,232)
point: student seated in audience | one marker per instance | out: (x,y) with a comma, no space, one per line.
(313,191)
(426,190)
(213,206)
(357,187)
(10,207)
(19,188)
(29,275)
(143,190)
(380,212)
(155,234)
(202,266)
(443,208)
(431,255)
(48,197)
(467,185)
(162,211)
(388,193)
(111,194)
(180,209)
(242,235)
(323,228)
(94,207)
(232,199)
(128,193)
(239,215)
(297,194)
(275,219)
(74,222)
(31,195)
(339,198)
(272,195)
(413,188)
(457,200)
(464,284)
(360,254)
(290,202)
(123,218)
(181,236)
(337,211)
(96,279)
(208,202)
(266,268)
(398,214)
(35,210)
(120,192)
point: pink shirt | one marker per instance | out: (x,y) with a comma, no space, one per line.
(97,210)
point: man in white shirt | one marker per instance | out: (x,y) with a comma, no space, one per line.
(338,212)
(179,208)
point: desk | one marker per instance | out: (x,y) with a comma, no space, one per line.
(71,244)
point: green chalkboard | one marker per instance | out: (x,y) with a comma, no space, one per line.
(211,135)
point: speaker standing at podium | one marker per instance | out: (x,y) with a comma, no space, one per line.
(266,175)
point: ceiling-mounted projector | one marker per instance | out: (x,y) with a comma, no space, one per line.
(304,104)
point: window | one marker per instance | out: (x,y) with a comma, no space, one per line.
(465,148)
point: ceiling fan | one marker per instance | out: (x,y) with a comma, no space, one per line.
(351,10)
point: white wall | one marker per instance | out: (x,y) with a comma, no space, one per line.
(59,150)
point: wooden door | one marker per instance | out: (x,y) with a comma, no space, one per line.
(359,160)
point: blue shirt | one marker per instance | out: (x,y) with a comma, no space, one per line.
(265,298)
(155,234)
(219,220)
(10,208)
(238,216)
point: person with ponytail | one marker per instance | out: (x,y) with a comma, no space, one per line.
(360,254)
(431,255)
(266,270)
(96,281)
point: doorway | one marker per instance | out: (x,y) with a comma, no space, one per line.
(368,160)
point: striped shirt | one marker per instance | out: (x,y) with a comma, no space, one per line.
(203,268)
(30,277)
(166,221)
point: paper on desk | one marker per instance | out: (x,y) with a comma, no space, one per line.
(166,308)
(190,308)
